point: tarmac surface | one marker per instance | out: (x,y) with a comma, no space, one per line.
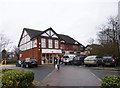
(71,76)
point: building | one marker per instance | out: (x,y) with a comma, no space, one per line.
(46,45)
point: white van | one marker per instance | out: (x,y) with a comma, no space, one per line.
(68,58)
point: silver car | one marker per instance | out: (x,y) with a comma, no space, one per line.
(93,60)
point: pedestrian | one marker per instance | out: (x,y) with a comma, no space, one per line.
(62,60)
(58,62)
(55,61)
(44,60)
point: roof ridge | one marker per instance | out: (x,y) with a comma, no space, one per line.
(32,29)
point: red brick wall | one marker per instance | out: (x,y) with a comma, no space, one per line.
(31,53)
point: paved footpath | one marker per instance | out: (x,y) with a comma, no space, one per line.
(71,76)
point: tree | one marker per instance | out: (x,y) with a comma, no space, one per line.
(107,36)
(91,41)
(108,32)
(4,42)
(16,52)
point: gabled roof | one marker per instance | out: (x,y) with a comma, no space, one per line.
(32,33)
(35,33)
(42,32)
(68,39)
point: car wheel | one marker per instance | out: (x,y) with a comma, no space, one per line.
(103,65)
(26,65)
(22,65)
(97,64)
(115,65)
(65,63)
(36,65)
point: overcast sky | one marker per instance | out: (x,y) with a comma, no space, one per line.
(77,18)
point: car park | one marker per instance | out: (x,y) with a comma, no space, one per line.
(29,62)
(109,61)
(78,60)
(68,58)
(93,60)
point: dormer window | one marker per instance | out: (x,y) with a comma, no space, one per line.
(76,42)
(62,41)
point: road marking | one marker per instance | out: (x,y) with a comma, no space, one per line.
(96,76)
(49,74)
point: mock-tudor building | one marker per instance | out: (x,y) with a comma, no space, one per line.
(45,45)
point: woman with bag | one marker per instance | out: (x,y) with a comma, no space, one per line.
(58,63)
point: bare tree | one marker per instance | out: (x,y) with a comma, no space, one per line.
(108,32)
(107,36)
(91,41)
(16,52)
(4,42)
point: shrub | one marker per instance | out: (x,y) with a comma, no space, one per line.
(11,61)
(4,70)
(0,78)
(111,82)
(17,78)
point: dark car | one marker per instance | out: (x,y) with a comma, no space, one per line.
(18,63)
(109,61)
(78,60)
(29,62)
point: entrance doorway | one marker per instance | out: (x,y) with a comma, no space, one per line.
(47,58)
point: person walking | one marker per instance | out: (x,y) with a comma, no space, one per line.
(58,62)
(62,60)
(55,61)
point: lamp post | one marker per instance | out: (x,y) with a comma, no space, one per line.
(118,36)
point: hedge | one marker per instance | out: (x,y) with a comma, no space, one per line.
(110,82)
(0,78)
(15,78)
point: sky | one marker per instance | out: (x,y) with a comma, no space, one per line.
(79,19)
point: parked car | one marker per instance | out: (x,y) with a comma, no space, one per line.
(18,63)
(78,60)
(29,62)
(109,61)
(93,60)
(68,58)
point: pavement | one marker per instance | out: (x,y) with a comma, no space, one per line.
(71,76)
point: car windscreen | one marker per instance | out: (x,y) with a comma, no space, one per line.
(90,58)
(33,60)
(75,58)
(65,57)
(107,57)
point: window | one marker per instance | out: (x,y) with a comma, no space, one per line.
(43,43)
(50,43)
(56,43)
(35,43)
